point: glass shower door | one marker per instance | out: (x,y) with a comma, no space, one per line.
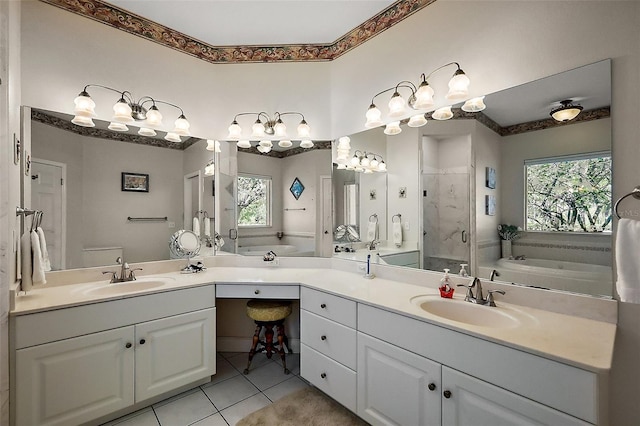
(226,190)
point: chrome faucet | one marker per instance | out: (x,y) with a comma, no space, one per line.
(494,274)
(373,244)
(124,276)
(478,298)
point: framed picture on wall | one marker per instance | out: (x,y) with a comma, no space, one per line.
(135,182)
(491,177)
(490,205)
(296,188)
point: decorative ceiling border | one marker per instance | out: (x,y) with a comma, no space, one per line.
(134,24)
(289,152)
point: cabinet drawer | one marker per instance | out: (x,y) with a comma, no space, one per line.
(257,291)
(332,378)
(329,338)
(329,306)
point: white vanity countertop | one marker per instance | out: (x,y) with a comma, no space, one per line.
(361,254)
(573,340)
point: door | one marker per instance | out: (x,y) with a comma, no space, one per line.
(396,387)
(175,351)
(48,195)
(75,380)
(192,199)
(472,402)
(226,196)
(326,225)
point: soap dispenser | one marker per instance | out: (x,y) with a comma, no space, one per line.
(446,290)
(463,270)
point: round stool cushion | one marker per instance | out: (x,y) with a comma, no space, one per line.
(268,310)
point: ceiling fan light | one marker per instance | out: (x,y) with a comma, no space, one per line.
(417,120)
(182,126)
(173,137)
(397,106)
(474,105)
(118,127)
(566,112)
(458,86)
(443,113)
(84,105)
(392,128)
(122,112)
(306,144)
(144,131)
(424,96)
(374,117)
(285,144)
(244,144)
(154,118)
(304,131)
(83,121)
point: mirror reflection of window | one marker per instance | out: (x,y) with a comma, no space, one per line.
(254,200)
(351,204)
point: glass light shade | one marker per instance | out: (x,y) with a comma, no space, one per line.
(304,131)
(266,144)
(382,166)
(213,145)
(566,112)
(122,112)
(374,117)
(280,129)
(365,162)
(306,144)
(424,96)
(154,118)
(397,106)
(474,105)
(374,163)
(264,149)
(182,126)
(458,86)
(173,137)
(235,131)
(118,127)
(83,121)
(84,105)
(244,144)
(392,128)
(417,120)
(285,144)
(146,132)
(344,142)
(355,160)
(341,166)
(368,171)
(209,169)
(257,130)
(443,113)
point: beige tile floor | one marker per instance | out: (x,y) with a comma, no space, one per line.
(229,397)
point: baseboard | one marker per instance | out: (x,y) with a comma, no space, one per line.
(243,344)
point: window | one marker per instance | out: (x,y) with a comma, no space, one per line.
(569,193)
(254,200)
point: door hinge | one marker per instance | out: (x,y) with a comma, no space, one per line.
(61,181)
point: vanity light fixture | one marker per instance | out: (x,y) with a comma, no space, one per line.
(210,169)
(213,145)
(474,105)
(128,110)
(443,113)
(366,162)
(567,111)
(267,128)
(343,150)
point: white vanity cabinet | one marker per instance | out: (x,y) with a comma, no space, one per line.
(328,344)
(78,364)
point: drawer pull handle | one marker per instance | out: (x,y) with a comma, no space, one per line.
(142,341)
(323,375)
(323,305)
(128,345)
(432,386)
(447,394)
(323,338)
(256,291)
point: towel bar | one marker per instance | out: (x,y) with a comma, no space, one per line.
(302,208)
(635,194)
(147,219)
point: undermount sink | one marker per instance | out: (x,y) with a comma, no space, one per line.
(140,284)
(466,312)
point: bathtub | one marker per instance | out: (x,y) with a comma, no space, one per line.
(576,277)
(284,250)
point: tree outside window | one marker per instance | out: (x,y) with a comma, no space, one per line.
(569,194)
(254,201)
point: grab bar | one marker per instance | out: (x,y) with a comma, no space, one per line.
(25,212)
(147,219)
(635,194)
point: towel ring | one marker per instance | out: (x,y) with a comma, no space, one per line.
(399,216)
(375,217)
(635,194)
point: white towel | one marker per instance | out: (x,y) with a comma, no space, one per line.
(46,262)
(396,229)
(372,231)
(37,276)
(207,226)
(25,249)
(196,226)
(628,260)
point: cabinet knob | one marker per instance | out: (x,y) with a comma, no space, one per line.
(323,375)
(323,338)
(256,292)
(447,394)
(432,387)
(323,305)
(142,341)
(128,345)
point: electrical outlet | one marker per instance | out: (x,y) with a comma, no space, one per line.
(172,225)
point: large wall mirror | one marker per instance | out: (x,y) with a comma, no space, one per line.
(451,184)
(107,194)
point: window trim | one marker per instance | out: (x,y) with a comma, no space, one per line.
(269,201)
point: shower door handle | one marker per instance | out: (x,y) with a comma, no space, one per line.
(464,237)
(233,234)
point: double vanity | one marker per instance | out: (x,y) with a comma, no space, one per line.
(389,348)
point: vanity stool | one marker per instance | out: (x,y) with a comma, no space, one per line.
(268,314)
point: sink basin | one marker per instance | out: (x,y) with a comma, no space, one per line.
(468,313)
(140,284)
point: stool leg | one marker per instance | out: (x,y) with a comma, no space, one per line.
(286,340)
(252,352)
(268,337)
(281,337)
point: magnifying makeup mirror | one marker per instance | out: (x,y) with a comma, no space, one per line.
(185,244)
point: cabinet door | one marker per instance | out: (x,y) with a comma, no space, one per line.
(473,402)
(396,387)
(75,380)
(174,351)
